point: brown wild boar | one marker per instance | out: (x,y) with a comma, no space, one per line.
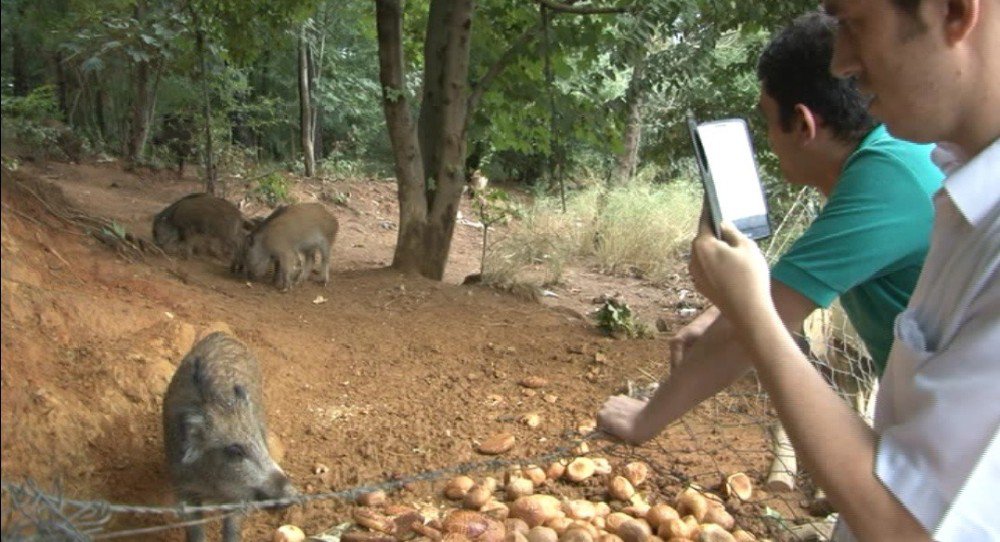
(200,222)
(215,433)
(289,240)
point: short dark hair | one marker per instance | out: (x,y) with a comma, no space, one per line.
(908,6)
(795,69)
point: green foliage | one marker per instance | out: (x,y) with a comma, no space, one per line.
(615,317)
(40,104)
(115,230)
(272,189)
(31,126)
(493,205)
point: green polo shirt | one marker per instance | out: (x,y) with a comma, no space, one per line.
(869,241)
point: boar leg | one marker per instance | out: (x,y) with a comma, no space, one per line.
(195,533)
(285,267)
(324,270)
(304,266)
(232,527)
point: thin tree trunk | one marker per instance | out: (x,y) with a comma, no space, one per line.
(99,104)
(62,86)
(143,102)
(305,107)
(555,173)
(628,160)
(206,108)
(19,56)
(138,125)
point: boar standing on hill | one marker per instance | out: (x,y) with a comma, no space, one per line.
(215,433)
(200,222)
(289,241)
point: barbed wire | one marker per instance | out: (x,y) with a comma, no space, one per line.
(48,515)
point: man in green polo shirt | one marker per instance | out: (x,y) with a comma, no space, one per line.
(866,246)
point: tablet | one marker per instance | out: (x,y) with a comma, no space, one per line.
(728,169)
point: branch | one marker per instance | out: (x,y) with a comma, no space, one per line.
(583,10)
(509,55)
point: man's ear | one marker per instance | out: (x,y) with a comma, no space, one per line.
(804,124)
(960,17)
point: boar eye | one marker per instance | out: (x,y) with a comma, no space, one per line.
(235,452)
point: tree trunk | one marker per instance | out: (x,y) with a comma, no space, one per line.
(19,56)
(402,135)
(138,125)
(143,100)
(450,145)
(305,107)
(555,149)
(100,99)
(628,160)
(62,86)
(429,125)
(428,206)
(206,108)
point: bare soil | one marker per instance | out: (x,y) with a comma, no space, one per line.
(378,375)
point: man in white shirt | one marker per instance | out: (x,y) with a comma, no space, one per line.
(929,468)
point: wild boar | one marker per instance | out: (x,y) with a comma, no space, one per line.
(200,222)
(289,240)
(215,433)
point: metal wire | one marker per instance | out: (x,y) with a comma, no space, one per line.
(36,514)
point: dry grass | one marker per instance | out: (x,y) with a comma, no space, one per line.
(636,230)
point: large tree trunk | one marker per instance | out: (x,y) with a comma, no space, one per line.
(305,108)
(429,125)
(429,171)
(402,134)
(628,160)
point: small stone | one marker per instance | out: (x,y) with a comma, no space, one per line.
(661,325)
(374,498)
(534,382)
(288,533)
(531,419)
(497,444)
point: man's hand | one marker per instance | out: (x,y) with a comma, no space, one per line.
(732,273)
(620,417)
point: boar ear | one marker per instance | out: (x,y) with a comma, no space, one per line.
(192,436)
(198,377)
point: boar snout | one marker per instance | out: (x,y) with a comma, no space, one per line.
(277,486)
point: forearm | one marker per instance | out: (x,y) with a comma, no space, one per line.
(715,361)
(832,441)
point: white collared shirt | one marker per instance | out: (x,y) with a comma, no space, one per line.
(938,409)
